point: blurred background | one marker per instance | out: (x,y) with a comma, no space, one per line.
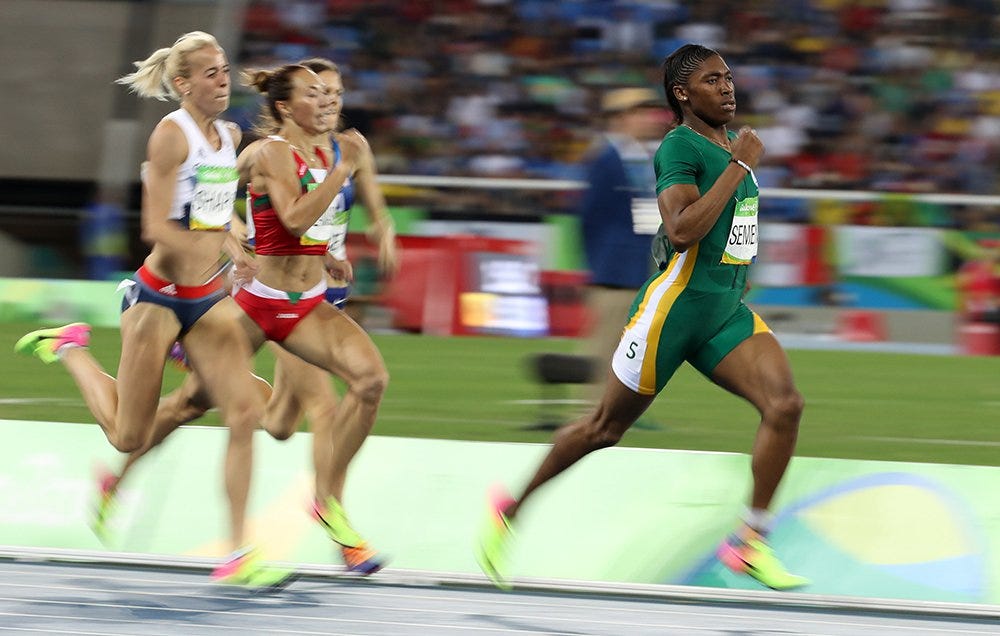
(878,264)
(881,120)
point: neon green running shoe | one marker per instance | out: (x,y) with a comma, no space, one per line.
(46,343)
(105,503)
(244,568)
(746,552)
(330,514)
(358,556)
(494,539)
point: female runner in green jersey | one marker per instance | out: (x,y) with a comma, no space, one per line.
(692,310)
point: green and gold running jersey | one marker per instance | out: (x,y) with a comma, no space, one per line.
(723,254)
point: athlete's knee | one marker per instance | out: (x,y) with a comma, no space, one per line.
(609,435)
(279,430)
(281,416)
(129,441)
(785,411)
(372,385)
(604,438)
(281,427)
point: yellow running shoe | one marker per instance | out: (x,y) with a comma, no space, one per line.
(244,568)
(105,503)
(746,552)
(494,539)
(330,514)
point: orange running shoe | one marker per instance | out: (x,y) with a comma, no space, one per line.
(362,559)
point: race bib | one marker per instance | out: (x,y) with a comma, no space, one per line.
(251,230)
(328,226)
(214,196)
(741,245)
(339,235)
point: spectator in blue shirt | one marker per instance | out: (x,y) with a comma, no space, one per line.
(618,215)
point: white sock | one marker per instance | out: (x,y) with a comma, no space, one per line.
(760,519)
(61,351)
(240,552)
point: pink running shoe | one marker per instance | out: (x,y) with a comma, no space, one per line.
(244,568)
(48,343)
(747,552)
(106,501)
(492,553)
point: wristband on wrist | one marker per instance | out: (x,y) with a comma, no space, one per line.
(741,164)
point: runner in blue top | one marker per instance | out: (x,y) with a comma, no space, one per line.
(692,310)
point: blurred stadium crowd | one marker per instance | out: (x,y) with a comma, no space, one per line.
(884,95)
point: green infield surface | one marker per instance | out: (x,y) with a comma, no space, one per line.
(902,407)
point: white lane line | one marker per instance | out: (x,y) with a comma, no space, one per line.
(472,585)
(708,614)
(162,623)
(441,418)
(927,440)
(280,617)
(543,610)
(539,402)
(62,631)
(855,401)
(476,596)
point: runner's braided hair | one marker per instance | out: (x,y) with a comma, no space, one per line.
(678,68)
